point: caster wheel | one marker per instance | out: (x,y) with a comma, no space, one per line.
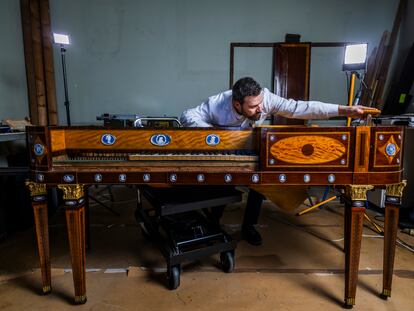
(173,277)
(227,261)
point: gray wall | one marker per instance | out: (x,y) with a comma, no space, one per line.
(13,90)
(161,57)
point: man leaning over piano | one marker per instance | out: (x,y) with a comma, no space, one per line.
(246,105)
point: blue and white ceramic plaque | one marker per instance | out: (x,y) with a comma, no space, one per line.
(38,149)
(108,139)
(122,177)
(160,140)
(68,178)
(98,177)
(212,140)
(390,149)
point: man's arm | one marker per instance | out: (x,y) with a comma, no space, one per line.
(299,109)
(196,117)
(313,109)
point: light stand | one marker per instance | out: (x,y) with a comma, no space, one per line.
(65,83)
(355,59)
(64,40)
(351,95)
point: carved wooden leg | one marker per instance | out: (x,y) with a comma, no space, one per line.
(75,220)
(354,219)
(87,222)
(39,204)
(390,237)
(392,203)
(352,249)
(347,214)
(42,236)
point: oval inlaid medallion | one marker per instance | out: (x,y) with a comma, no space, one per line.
(312,149)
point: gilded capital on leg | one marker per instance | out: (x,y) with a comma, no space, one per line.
(357,192)
(396,190)
(36,188)
(72,192)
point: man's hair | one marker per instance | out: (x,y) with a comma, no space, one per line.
(245,87)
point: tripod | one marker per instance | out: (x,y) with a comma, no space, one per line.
(111,196)
(65,83)
(67,107)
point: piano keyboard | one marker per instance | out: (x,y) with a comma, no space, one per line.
(203,156)
(223,155)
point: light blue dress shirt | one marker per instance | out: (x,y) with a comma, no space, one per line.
(218,111)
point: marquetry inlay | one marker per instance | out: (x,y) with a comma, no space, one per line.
(390,149)
(308,149)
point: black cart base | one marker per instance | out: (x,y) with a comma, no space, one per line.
(180,223)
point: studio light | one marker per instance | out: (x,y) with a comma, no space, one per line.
(61,39)
(355,57)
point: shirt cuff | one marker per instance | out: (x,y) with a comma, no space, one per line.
(332,110)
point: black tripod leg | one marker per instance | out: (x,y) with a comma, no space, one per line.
(104,205)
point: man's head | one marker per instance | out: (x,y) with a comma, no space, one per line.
(248,98)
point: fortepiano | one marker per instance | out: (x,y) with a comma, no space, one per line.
(355,159)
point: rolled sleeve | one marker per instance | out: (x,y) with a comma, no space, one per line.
(298,109)
(315,110)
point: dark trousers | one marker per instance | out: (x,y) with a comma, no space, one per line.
(253,207)
(251,213)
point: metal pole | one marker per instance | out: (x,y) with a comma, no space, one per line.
(65,84)
(351,95)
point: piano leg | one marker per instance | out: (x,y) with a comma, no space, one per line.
(75,221)
(354,219)
(392,204)
(39,204)
(87,223)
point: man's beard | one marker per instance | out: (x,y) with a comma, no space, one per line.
(255,117)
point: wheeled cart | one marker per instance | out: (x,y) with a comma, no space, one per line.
(184,223)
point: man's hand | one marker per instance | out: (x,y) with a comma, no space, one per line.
(357,111)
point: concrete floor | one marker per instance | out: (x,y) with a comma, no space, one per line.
(298,267)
